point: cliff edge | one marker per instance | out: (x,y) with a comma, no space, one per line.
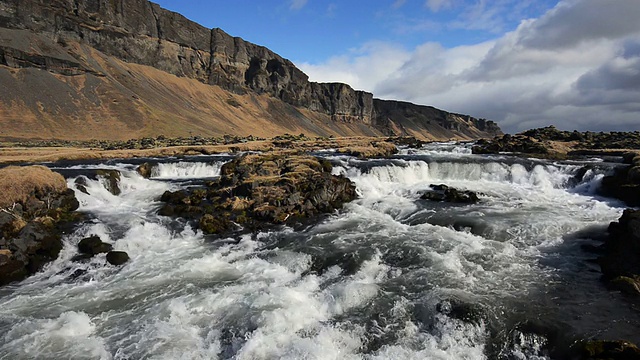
(78,69)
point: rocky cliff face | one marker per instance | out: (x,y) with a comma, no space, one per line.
(50,34)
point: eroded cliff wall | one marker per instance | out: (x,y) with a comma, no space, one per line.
(53,35)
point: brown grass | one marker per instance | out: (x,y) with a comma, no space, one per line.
(18,183)
(14,155)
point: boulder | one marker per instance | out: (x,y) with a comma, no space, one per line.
(117,258)
(447,194)
(93,245)
(145,170)
(112,179)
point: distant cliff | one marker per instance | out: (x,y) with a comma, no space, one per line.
(62,36)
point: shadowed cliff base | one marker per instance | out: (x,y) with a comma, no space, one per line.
(119,70)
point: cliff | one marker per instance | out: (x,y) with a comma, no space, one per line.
(107,64)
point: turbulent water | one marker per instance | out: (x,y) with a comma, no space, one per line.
(389,277)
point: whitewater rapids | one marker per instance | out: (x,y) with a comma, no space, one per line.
(389,277)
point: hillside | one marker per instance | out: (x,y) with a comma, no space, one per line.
(107,69)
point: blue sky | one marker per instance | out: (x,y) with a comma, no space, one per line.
(524,63)
(315,30)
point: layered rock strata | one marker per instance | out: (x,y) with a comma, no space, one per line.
(54,36)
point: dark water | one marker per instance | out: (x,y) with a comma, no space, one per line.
(389,277)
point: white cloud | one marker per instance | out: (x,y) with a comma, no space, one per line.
(437,5)
(398,4)
(562,68)
(297,4)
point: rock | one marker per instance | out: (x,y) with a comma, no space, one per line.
(624,184)
(512,143)
(112,178)
(627,285)
(145,170)
(607,350)
(93,246)
(622,250)
(448,194)
(258,191)
(36,204)
(214,225)
(117,258)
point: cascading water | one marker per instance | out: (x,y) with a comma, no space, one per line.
(186,170)
(390,277)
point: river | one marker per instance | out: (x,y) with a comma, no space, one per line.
(390,276)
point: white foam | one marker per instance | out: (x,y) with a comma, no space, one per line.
(186,170)
(72,335)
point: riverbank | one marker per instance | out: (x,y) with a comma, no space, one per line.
(39,152)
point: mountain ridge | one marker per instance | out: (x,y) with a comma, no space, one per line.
(104,41)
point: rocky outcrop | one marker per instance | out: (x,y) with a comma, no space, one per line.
(403,118)
(624,183)
(51,35)
(588,139)
(258,191)
(620,263)
(34,205)
(519,144)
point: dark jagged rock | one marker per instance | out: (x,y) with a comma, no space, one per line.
(34,206)
(621,262)
(117,258)
(448,194)
(257,191)
(93,245)
(45,35)
(624,184)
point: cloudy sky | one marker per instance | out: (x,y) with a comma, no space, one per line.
(522,63)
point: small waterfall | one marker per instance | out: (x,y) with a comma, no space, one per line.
(186,170)
(547,176)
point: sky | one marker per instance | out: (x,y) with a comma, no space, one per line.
(574,64)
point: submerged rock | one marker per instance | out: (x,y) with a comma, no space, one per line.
(257,191)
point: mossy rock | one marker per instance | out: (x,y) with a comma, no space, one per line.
(210,224)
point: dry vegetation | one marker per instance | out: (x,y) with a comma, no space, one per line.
(358,146)
(17,184)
